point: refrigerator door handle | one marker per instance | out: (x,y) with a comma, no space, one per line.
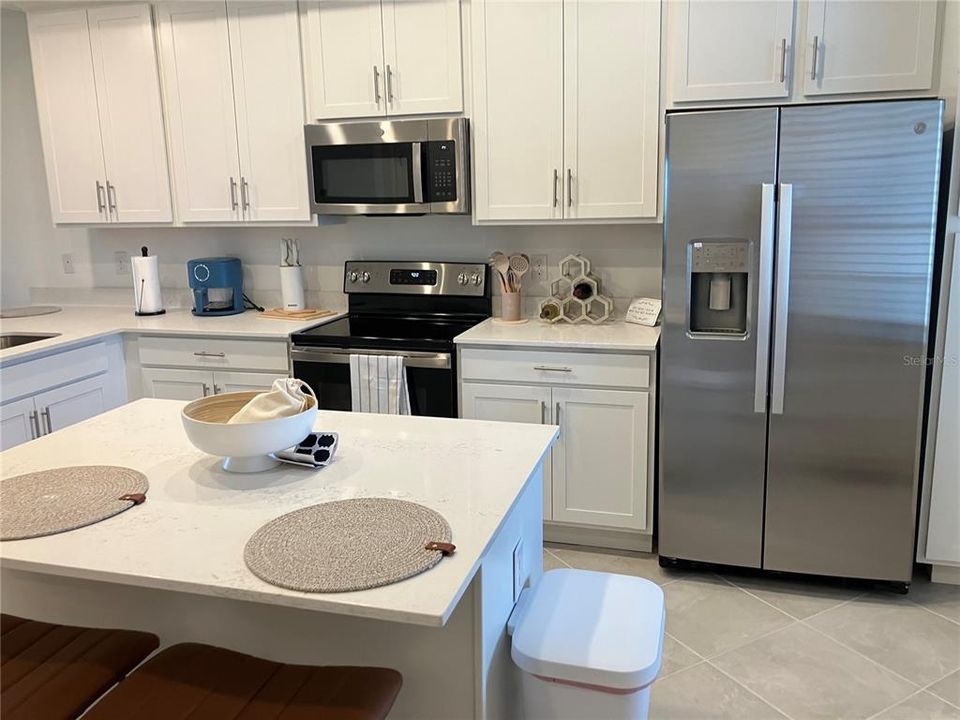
(764,295)
(784,228)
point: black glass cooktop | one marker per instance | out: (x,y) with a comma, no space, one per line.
(409,333)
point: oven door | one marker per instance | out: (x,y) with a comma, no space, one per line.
(367,168)
(431,378)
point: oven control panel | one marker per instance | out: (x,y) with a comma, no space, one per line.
(419,278)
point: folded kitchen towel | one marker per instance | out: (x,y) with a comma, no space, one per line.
(378,384)
(287,397)
(315,451)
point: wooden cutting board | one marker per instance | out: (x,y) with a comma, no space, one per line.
(307,314)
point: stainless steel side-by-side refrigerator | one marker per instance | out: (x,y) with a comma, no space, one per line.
(797,266)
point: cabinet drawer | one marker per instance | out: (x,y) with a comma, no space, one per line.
(33,375)
(556,368)
(214,353)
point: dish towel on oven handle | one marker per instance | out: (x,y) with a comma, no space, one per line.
(378,384)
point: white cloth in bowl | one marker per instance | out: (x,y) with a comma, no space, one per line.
(286,398)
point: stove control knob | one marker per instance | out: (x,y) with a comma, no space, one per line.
(365,277)
(354,276)
(462,278)
(475,278)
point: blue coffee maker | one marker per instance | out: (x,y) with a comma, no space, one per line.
(217,285)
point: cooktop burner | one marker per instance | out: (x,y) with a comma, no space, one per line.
(386,332)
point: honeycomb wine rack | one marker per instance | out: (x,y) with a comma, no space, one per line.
(575,296)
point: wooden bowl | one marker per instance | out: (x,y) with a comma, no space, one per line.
(245,447)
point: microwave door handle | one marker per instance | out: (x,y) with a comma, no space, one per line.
(417,173)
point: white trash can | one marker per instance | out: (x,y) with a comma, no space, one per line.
(588,645)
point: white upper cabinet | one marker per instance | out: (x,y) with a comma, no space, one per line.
(421,55)
(566,109)
(233,83)
(872,46)
(131,116)
(101,122)
(518,126)
(611,101)
(730,50)
(343,58)
(268,89)
(364,58)
(198,86)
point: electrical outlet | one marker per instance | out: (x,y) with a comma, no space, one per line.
(122,260)
(67,259)
(538,269)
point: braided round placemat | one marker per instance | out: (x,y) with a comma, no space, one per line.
(346,545)
(54,501)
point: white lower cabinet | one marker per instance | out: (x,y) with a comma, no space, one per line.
(599,475)
(18,422)
(177,384)
(31,417)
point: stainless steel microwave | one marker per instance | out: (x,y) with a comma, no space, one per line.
(394,167)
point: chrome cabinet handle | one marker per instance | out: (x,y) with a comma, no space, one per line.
(569,187)
(783,60)
(34,425)
(111,198)
(206,389)
(217,389)
(233,194)
(543,412)
(376,85)
(764,297)
(549,368)
(48,423)
(204,353)
(816,50)
(556,183)
(389,84)
(101,203)
(244,193)
(781,309)
(557,420)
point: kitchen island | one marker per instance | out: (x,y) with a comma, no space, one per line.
(174,565)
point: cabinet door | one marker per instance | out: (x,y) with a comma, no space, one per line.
(512,403)
(343,59)
(131,117)
(268,86)
(611,108)
(869,46)
(600,461)
(730,50)
(18,422)
(421,48)
(171,384)
(67,108)
(198,88)
(225,382)
(518,109)
(72,403)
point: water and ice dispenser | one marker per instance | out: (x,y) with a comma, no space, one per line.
(718,286)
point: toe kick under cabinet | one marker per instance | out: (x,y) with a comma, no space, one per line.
(598,480)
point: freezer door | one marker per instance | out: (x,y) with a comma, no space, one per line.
(721,167)
(852,307)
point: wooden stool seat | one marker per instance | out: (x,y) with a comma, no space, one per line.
(201,682)
(56,671)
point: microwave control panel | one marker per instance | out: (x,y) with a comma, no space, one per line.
(442,174)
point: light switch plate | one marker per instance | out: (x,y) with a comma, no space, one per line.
(518,570)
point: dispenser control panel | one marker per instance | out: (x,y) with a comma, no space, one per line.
(723,257)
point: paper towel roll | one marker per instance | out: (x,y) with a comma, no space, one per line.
(146,285)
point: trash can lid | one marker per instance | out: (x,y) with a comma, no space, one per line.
(592,628)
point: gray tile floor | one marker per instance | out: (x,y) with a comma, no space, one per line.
(755,648)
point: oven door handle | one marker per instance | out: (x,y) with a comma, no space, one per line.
(433,361)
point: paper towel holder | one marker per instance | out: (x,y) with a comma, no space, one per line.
(140,281)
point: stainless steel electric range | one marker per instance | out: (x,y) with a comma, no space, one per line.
(411,309)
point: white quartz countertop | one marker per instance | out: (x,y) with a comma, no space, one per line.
(190,534)
(616,335)
(81,323)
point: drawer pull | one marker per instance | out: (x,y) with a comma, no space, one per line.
(548,368)
(203,353)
